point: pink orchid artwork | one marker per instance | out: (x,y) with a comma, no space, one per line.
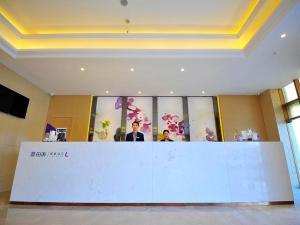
(210,135)
(118,103)
(174,124)
(134,113)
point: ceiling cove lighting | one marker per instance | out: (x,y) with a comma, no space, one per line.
(239,37)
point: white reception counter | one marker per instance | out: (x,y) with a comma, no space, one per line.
(151,172)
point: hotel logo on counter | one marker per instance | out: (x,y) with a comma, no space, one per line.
(50,154)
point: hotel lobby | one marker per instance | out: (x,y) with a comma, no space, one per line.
(149,112)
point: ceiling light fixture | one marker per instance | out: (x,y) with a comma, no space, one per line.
(139,92)
(124,3)
(182,69)
(82,69)
(131,69)
(171,92)
(283,35)
(203,92)
(106,92)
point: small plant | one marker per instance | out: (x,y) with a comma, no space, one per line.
(103,133)
(105,123)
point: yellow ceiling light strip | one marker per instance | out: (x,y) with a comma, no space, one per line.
(18,27)
(261,19)
(247,16)
(126,43)
(258,20)
(136,30)
(9,36)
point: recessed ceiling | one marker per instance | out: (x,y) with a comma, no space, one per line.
(273,63)
(38,17)
(154,25)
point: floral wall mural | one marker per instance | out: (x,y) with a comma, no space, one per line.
(201,118)
(174,124)
(107,119)
(107,126)
(140,109)
(170,117)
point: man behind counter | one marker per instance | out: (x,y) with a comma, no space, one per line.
(135,135)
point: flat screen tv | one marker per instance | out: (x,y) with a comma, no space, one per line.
(13,103)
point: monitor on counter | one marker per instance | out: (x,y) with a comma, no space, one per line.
(13,103)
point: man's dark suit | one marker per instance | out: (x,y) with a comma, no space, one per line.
(139,136)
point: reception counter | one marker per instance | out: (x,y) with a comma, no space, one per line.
(151,172)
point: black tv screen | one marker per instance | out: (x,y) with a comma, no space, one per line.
(13,103)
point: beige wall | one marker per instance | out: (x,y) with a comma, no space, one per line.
(239,113)
(268,112)
(71,112)
(13,130)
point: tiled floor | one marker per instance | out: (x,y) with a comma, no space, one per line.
(61,215)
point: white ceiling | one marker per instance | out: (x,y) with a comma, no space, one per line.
(274,63)
(58,14)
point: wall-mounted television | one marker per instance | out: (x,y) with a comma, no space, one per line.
(13,103)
